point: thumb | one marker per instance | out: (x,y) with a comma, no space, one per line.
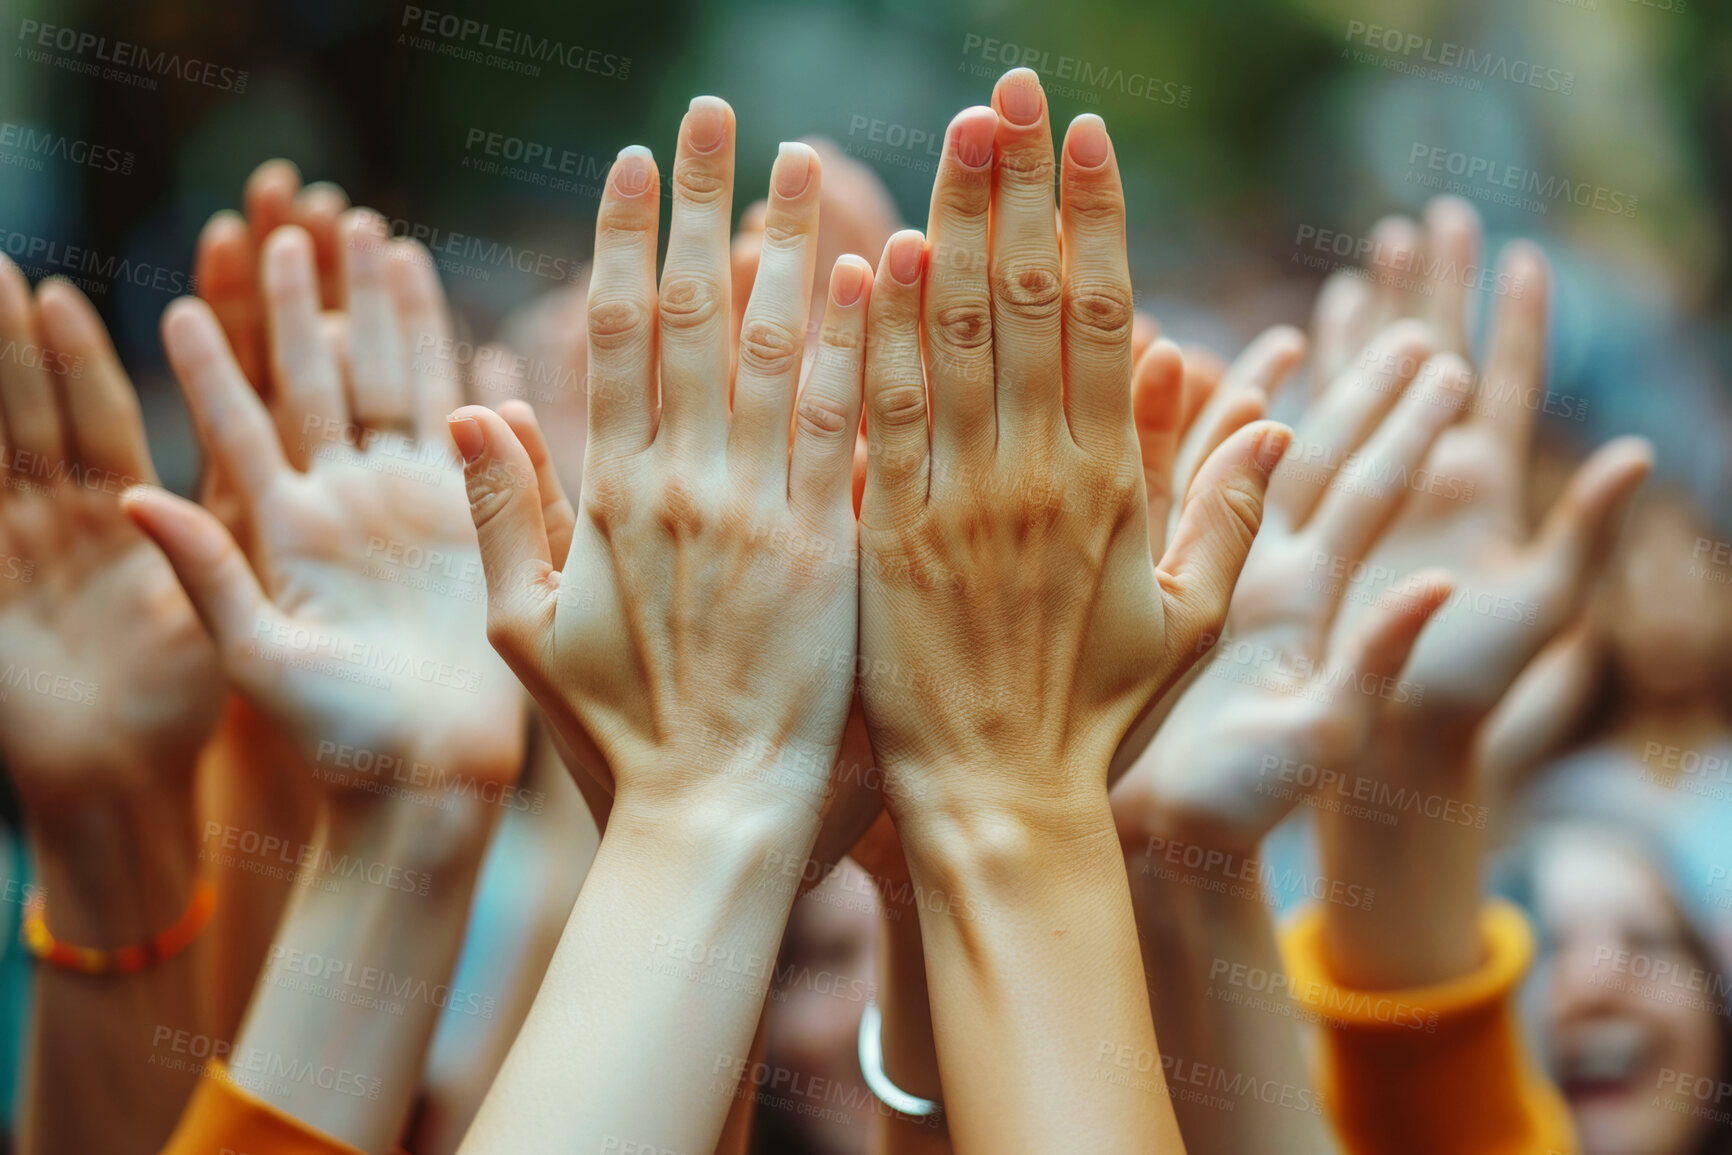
(1222,511)
(505,502)
(224,591)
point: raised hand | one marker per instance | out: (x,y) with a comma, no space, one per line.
(1014,622)
(331,630)
(694,617)
(1516,587)
(108,689)
(109,686)
(1278,691)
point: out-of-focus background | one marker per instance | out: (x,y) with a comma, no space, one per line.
(1260,141)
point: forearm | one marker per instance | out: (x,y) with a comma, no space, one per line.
(114,874)
(1218,989)
(661,974)
(909,1049)
(1423,927)
(1044,1034)
(250,786)
(355,980)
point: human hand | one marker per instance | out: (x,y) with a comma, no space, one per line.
(332,630)
(1278,691)
(722,667)
(109,686)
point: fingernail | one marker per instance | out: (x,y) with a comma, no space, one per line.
(631,170)
(972,132)
(1272,447)
(905,252)
(466,432)
(706,123)
(1019,95)
(792,171)
(846,281)
(1088,143)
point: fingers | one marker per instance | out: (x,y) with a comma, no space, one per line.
(1579,530)
(505,501)
(622,307)
(956,313)
(897,465)
(227,265)
(773,334)
(269,198)
(1375,480)
(106,425)
(1350,408)
(1204,370)
(820,474)
(1024,266)
(378,380)
(309,401)
(1513,386)
(1338,323)
(1240,397)
(557,516)
(695,287)
(1098,314)
(435,385)
(1144,331)
(1157,393)
(1452,252)
(231,420)
(1396,243)
(1217,524)
(319,209)
(222,587)
(1379,646)
(35,443)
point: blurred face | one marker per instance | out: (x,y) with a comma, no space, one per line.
(824,978)
(1629,1026)
(1668,613)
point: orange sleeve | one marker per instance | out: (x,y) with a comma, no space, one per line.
(222,1118)
(1437,1070)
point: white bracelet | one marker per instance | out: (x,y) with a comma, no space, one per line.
(872,1069)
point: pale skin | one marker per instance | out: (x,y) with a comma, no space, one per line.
(1525,585)
(325,632)
(688,619)
(111,688)
(1276,693)
(1004,533)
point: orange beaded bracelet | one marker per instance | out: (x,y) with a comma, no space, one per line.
(124,960)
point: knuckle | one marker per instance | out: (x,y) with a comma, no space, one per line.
(823,417)
(618,322)
(679,508)
(690,302)
(1029,289)
(699,183)
(899,406)
(964,196)
(1242,508)
(768,347)
(962,327)
(1093,203)
(1102,309)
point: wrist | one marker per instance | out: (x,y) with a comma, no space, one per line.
(414,835)
(115,871)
